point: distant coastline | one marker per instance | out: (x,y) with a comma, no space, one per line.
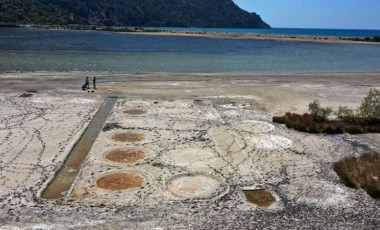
(298,38)
(375,40)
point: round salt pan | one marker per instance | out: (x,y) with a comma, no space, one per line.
(134,112)
(193,186)
(125,155)
(184,125)
(233,106)
(231,113)
(186,157)
(256,126)
(128,137)
(120,181)
(272,142)
(211,115)
(177,112)
(133,123)
(175,104)
(318,192)
(138,104)
(230,106)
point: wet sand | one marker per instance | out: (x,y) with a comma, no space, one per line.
(207,138)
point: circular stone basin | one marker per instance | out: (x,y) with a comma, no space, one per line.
(272,142)
(120,181)
(193,186)
(134,123)
(139,104)
(134,112)
(187,157)
(128,137)
(126,155)
(256,126)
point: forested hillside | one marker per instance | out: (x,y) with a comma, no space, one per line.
(181,13)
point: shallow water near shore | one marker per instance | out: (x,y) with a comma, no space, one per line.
(26,50)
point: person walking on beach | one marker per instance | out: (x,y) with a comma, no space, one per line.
(94,82)
(88,83)
(85,85)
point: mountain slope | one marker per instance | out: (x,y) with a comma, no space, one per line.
(181,13)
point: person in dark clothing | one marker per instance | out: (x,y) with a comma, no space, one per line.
(84,86)
(94,82)
(88,83)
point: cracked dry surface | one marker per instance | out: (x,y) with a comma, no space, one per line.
(36,134)
(199,158)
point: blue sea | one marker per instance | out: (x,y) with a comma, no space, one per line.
(25,50)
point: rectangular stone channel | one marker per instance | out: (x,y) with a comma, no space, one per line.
(62,182)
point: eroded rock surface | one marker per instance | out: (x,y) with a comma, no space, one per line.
(198,159)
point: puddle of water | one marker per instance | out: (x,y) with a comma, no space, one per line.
(261,197)
(120,181)
(69,171)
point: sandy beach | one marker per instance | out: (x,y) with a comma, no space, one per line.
(297,38)
(196,144)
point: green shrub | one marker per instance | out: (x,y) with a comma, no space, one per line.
(362,172)
(280,120)
(318,112)
(376,39)
(353,129)
(365,120)
(344,113)
(370,106)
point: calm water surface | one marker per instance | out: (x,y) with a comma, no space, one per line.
(42,50)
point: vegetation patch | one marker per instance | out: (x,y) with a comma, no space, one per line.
(149,13)
(367,39)
(307,123)
(365,119)
(362,172)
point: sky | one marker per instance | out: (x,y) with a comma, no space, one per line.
(335,14)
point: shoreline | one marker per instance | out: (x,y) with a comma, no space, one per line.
(296,38)
(268,87)
(142,31)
